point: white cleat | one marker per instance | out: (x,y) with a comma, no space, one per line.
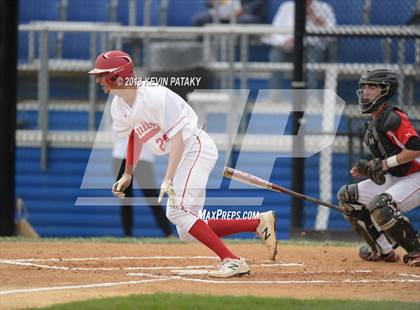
(230,267)
(266,230)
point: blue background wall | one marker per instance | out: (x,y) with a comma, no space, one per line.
(50,195)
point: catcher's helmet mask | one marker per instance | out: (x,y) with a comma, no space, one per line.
(385,79)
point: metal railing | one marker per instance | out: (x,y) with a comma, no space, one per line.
(224,36)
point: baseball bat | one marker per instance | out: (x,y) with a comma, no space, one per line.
(247,178)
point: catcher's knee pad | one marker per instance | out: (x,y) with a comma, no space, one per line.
(348,194)
(383,210)
(363,225)
(395,226)
(347,197)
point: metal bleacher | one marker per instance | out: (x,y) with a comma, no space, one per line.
(50,194)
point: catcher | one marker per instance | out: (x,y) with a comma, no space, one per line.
(374,206)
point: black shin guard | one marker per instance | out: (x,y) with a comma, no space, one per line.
(393,224)
(362,223)
(359,218)
(404,234)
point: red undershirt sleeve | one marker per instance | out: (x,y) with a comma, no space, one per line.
(134,148)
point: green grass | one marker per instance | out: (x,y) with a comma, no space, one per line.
(168,241)
(181,301)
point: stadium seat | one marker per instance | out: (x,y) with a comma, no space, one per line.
(180,12)
(123,14)
(35,10)
(23,46)
(348,12)
(366,50)
(76,45)
(31,10)
(396,12)
(92,10)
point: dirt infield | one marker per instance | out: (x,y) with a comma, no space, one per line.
(40,274)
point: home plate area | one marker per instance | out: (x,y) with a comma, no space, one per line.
(46,273)
(174,268)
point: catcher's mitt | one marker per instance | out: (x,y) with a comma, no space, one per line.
(372,169)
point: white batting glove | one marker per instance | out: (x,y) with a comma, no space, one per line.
(121,185)
(168,189)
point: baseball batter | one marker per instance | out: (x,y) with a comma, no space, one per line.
(155,117)
(374,206)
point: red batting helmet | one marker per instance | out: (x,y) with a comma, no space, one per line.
(116,64)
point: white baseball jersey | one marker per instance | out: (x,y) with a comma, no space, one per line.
(156,116)
(120,150)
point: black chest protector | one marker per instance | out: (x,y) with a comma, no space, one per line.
(379,144)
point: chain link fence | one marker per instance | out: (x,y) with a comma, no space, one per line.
(374,34)
(343,39)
